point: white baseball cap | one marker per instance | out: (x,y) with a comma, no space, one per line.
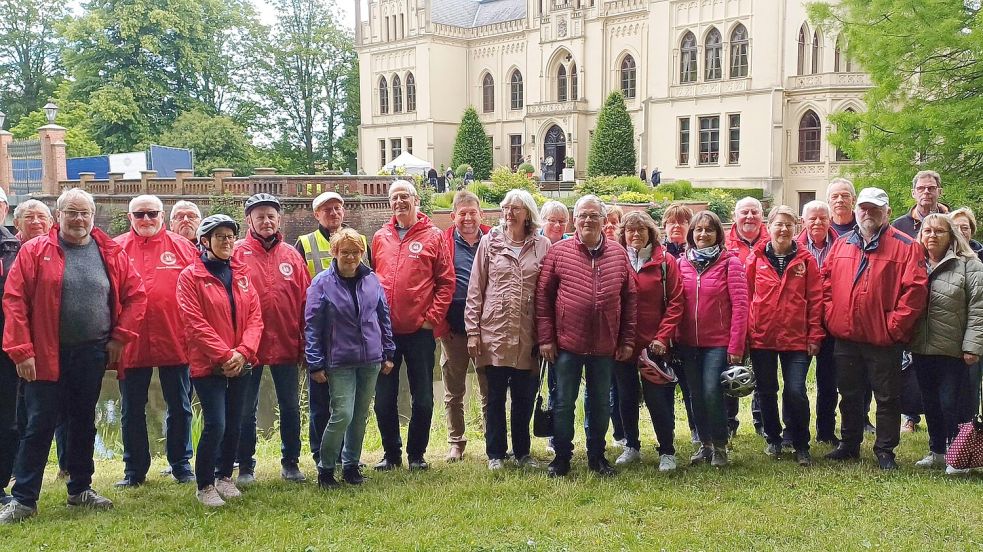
(325,197)
(876,196)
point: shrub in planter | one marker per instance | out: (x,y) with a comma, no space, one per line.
(526,169)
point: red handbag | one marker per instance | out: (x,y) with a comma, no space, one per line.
(966,450)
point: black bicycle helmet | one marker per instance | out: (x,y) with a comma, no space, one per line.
(212,222)
(262,199)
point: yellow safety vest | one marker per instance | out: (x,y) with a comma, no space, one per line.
(317,252)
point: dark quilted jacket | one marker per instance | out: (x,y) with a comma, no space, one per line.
(586,303)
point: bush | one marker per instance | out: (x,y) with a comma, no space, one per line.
(718,201)
(504,180)
(444,200)
(634,197)
(119,223)
(471,145)
(525,168)
(569,162)
(425,193)
(461,169)
(611,185)
(612,150)
(657,210)
(226,204)
(737,193)
(680,189)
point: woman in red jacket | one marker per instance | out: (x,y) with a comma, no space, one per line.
(785,323)
(713,330)
(660,307)
(223,325)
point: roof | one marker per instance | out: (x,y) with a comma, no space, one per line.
(476,13)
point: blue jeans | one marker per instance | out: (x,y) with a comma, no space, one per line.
(795,402)
(9,434)
(703,367)
(613,408)
(661,403)
(352,390)
(72,400)
(627,390)
(688,403)
(597,369)
(523,385)
(941,379)
(417,349)
(222,400)
(286,382)
(133,389)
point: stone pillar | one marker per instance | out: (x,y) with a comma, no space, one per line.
(219,175)
(114,177)
(6,163)
(85,178)
(144,185)
(264,171)
(54,166)
(179,176)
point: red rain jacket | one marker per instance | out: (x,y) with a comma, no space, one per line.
(658,317)
(786,311)
(210,336)
(32,300)
(417,274)
(281,279)
(159,260)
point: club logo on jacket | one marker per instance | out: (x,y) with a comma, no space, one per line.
(416,247)
(243,283)
(799,271)
(286,269)
(168,258)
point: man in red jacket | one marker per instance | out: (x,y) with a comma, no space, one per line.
(745,234)
(415,270)
(158,256)
(72,301)
(875,289)
(585,320)
(279,275)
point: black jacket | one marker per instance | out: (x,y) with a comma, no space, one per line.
(9,246)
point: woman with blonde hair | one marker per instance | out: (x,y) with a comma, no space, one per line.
(949,337)
(349,340)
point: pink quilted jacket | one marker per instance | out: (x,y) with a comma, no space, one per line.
(715,304)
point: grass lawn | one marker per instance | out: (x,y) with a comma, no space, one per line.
(755,504)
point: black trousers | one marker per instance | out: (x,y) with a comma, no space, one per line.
(859,365)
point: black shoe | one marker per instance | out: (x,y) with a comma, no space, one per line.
(869,428)
(886,461)
(844,452)
(600,466)
(128,483)
(290,471)
(803,458)
(773,450)
(387,465)
(419,464)
(352,475)
(558,468)
(185,478)
(787,444)
(831,440)
(5,499)
(326,480)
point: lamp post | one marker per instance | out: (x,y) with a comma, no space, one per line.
(50,112)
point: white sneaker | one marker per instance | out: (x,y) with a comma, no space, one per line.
(226,488)
(209,497)
(629,455)
(621,443)
(933,460)
(527,462)
(949,470)
(667,463)
(495,464)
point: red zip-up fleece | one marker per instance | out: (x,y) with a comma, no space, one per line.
(159,260)
(585,304)
(417,275)
(209,333)
(786,311)
(32,300)
(281,280)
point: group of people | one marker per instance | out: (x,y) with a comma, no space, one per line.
(211,310)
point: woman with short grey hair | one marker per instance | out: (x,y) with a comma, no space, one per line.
(555,217)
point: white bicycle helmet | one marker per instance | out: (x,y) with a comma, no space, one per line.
(738,381)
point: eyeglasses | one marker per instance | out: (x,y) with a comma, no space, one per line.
(184,216)
(35,218)
(592,217)
(224,237)
(513,208)
(70,214)
(350,254)
(926,189)
(934,231)
(400,197)
(146,214)
(785,225)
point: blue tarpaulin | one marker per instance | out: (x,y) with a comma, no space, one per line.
(98,164)
(166,160)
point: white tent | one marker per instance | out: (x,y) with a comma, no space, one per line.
(411,163)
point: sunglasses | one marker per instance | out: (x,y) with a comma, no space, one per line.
(144,214)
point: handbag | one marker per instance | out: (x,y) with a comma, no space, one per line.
(542,418)
(966,450)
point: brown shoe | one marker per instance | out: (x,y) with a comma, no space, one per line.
(456,452)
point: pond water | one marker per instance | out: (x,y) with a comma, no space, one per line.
(109,443)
